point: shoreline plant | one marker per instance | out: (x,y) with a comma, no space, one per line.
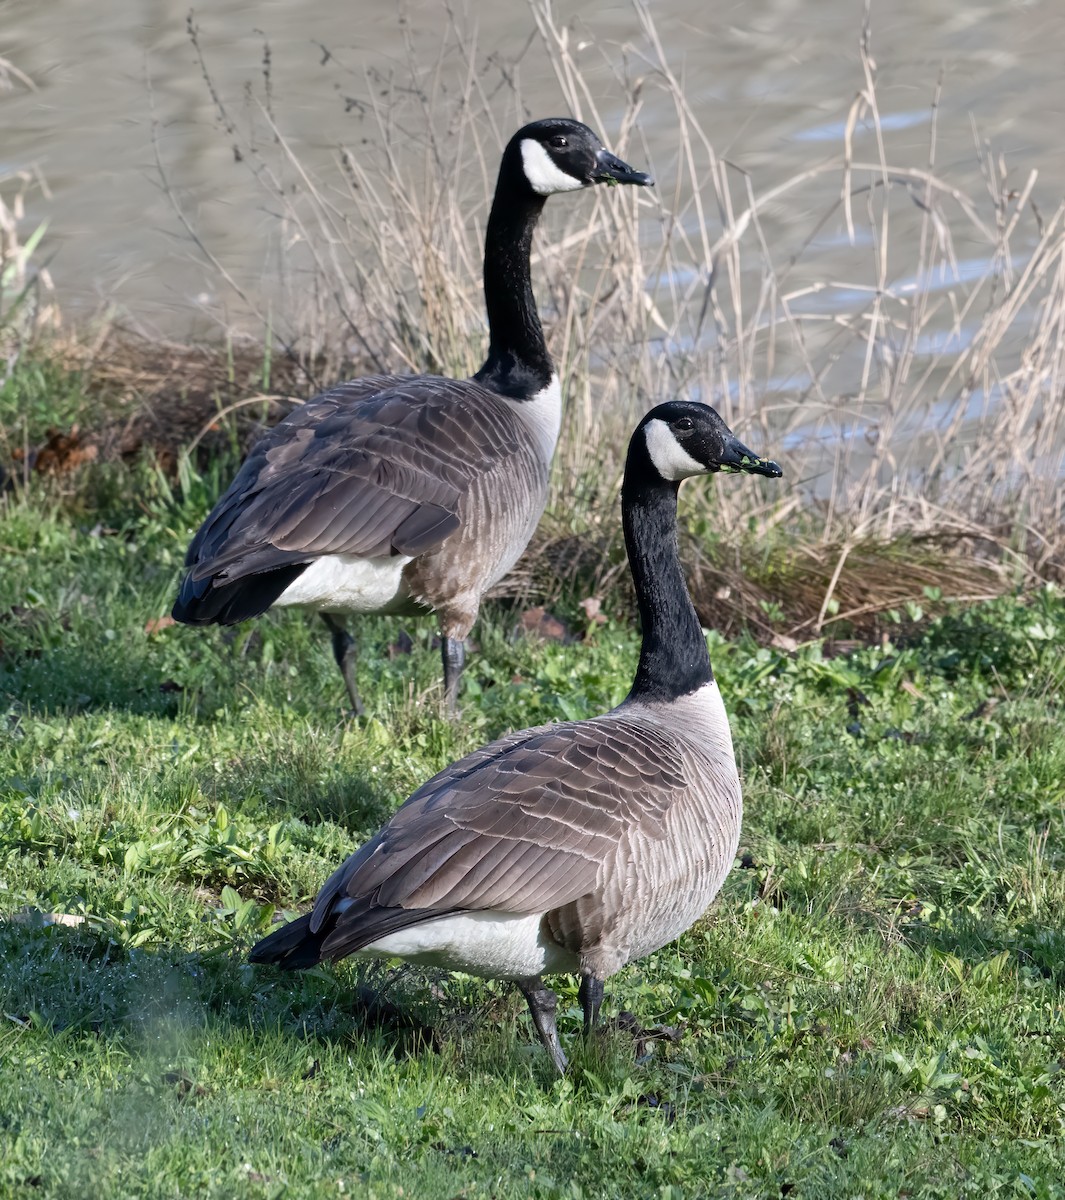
(922,418)
(873,1008)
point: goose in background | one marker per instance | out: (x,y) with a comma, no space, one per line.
(575,847)
(398,493)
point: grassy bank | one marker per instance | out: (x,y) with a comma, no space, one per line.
(873,1007)
(894,337)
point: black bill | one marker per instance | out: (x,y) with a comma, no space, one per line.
(738,459)
(610,169)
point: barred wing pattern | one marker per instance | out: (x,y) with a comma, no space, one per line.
(528,824)
(375,467)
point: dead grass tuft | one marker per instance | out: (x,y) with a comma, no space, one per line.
(914,400)
(162,399)
(778,592)
(27,295)
(784,594)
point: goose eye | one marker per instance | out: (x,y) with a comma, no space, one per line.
(684,424)
(559,141)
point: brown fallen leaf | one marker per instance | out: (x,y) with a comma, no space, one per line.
(157,623)
(539,622)
(185,1086)
(63,452)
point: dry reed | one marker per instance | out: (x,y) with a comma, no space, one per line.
(925,410)
(27,295)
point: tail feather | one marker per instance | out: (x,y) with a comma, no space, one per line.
(212,602)
(292,947)
(295,946)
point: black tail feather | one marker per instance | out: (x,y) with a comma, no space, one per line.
(292,947)
(210,602)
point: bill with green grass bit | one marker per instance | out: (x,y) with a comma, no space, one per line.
(571,848)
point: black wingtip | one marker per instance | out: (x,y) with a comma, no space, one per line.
(211,602)
(292,947)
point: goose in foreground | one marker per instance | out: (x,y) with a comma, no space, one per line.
(393,493)
(575,847)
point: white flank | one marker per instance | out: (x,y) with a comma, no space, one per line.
(545,176)
(496,945)
(542,416)
(670,458)
(343,583)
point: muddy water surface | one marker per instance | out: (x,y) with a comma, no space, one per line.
(118,102)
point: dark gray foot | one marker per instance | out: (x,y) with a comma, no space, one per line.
(542,1003)
(344,653)
(454,655)
(590,995)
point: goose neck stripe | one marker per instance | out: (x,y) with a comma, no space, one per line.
(545,176)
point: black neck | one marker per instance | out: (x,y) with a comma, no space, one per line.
(518,364)
(673,658)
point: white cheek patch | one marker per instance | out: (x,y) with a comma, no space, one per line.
(545,176)
(670,458)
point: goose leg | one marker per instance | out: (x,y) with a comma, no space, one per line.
(542,1003)
(590,994)
(454,655)
(344,653)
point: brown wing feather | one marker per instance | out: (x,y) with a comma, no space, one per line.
(524,825)
(371,468)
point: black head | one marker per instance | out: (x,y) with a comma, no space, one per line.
(681,438)
(562,155)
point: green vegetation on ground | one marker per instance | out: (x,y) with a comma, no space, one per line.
(873,1007)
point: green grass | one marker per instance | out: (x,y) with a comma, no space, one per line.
(873,1007)
(38,396)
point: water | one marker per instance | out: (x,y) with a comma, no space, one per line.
(120,101)
(153,216)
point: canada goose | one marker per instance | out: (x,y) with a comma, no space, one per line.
(571,847)
(389,493)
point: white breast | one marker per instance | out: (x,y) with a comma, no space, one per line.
(542,416)
(496,945)
(342,583)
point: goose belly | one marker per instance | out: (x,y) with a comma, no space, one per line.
(344,583)
(496,945)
